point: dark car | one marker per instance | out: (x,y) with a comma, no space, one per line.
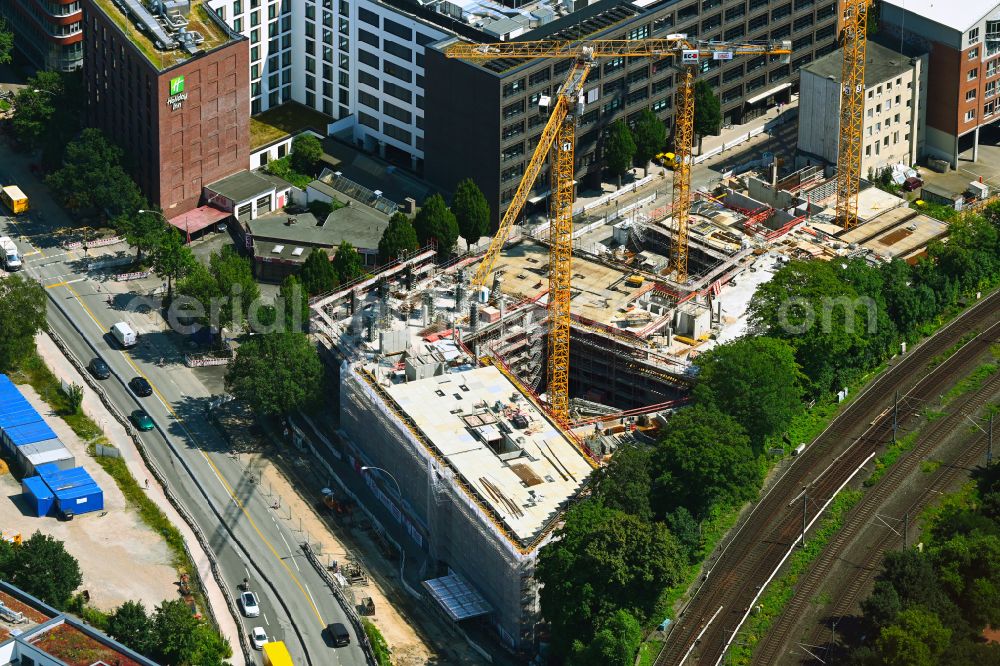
(912,184)
(339,634)
(142,420)
(141,387)
(99,369)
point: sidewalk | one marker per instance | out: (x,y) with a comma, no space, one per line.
(115,432)
(727,136)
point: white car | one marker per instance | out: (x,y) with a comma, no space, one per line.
(249,602)
(258,637)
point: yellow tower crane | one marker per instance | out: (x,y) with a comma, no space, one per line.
(558,138)
(852,110)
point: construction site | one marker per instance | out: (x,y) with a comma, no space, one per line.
(491,385)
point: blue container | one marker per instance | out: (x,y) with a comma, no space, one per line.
(74,489)
(38,496)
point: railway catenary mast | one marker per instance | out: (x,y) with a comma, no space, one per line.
(558,138)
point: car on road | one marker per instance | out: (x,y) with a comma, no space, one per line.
(338,634)
(248,600)
(99,369)
(258,636)
(141,387)
(142,420)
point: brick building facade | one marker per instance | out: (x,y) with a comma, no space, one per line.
(182,117)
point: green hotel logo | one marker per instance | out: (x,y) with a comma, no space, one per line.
(177,85)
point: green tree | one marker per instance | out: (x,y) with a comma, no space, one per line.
(398,239)
(175,632)
(318,274)
(237,286)
(35,107)
(603,561)
(707,111)
(436,222)
(821,316)
(619,149)
(131,626)
(755,380)
(624,484)
(22,315)
(144,231)
(306,153)
(172,259)
(295,304)
(650,136)
(41,566)
(348,263)
(471,211)
(210,647)
(682,525)
(6,43)
(615,644)
(91,178)
(704,458)
(916,638)
(276,373)
(198,286)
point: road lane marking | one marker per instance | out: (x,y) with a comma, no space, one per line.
(57,284)
(215,469)
(291,554)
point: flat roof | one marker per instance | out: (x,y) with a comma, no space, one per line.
(281,121)
(960,16)
(242,186)
(200,19)
(197,219)
(903,233)
(359,225)
(881,64)
(76,647)
(527,491)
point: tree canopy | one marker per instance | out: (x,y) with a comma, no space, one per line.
(604,561)
(650,136)
(707,109)
(294,304)
(171,259)
(22,315)
(276,373)
(41,566)
(704,457)
(131,626)
(471,210)
(436,222)
(399,238)
(6,43)
(92,180)
(306,153)
(756,380)
(318,274)
(348,263)
(619,149)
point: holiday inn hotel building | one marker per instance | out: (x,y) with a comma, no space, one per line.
(173,91)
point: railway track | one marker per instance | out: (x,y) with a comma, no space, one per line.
(705,627)
(772,647)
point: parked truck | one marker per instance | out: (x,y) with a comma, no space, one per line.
(14,199)
(276,654)
(9,257)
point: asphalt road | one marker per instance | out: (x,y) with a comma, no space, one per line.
(248,538)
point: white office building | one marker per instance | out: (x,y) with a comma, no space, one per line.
(359,62)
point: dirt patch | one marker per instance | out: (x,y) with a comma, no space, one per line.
(120,558)
(895,237)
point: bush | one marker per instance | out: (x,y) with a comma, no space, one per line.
(379,646)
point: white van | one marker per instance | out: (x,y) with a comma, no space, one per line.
(8,254)
(124,334)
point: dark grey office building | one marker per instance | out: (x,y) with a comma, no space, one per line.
(483,120)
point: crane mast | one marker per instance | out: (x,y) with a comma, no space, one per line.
(852,111)
(557,141)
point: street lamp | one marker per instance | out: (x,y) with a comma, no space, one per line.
(379,469)
(187,232)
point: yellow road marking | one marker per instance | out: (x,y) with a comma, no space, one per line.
(57,284)
(166,403)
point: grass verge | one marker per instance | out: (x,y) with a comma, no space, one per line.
(379,646)
(780,591)
(971,383)
(891,455)
(648,652)
(34,372)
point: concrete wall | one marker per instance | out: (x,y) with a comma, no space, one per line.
(819,116)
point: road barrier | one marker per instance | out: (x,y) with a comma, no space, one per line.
(138,275)
(100,242)
(206,360)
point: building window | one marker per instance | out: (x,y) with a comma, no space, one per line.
(970,95)
(970,115)
(368,99)
(401,73)
(398,29)
(973,36)
(988,108)
(367,58)
(368,16)
(513,87)
(990,90)
(973,53)
(395,112)
(368,120)
(973,74)
(397,50)
(397,91)
(368,38)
